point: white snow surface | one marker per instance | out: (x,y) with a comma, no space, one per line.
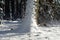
(27,29)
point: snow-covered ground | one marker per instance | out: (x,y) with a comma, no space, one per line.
(27,28)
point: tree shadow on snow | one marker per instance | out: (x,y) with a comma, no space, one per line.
(20,30)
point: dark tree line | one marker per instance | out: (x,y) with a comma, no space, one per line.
(13,9)
(47,10)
